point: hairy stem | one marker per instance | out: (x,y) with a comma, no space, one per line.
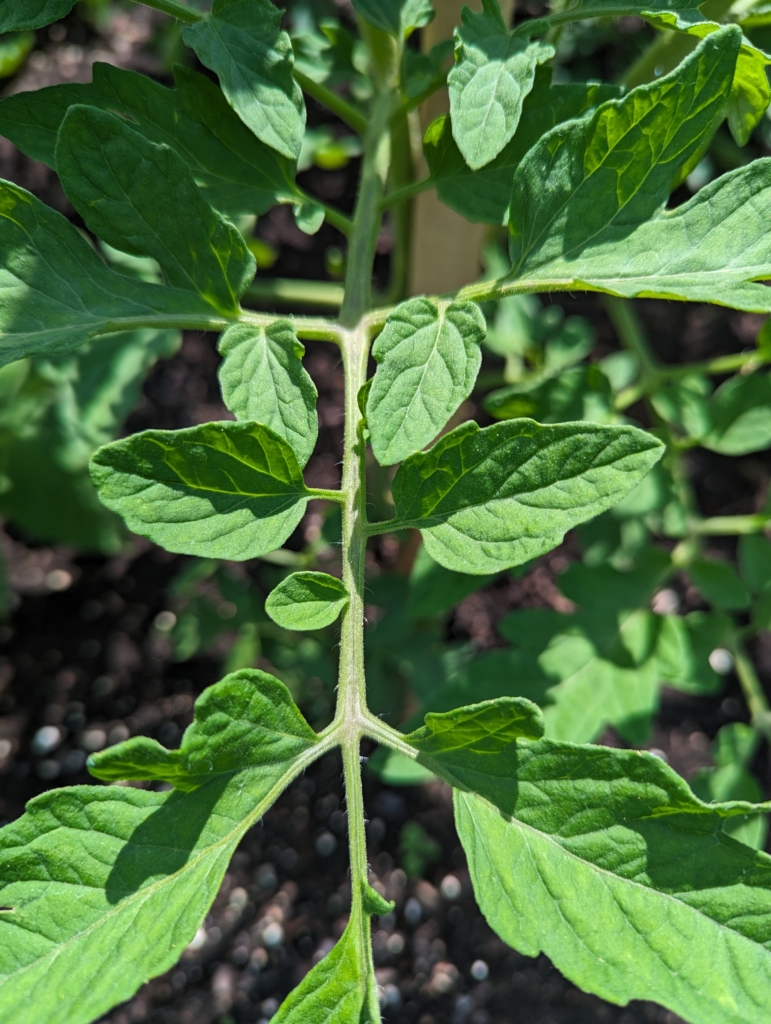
(176,9)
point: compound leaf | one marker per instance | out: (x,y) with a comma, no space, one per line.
(493,74)
(18,15)
(219,490)
(307,600)
(428,357)
(398,17)
(238,173)
(243,43)
(91,870)
(588,200)
(484,195)
(56,293)
(247,720)
(142,199)
(605,861)
(262,378)
(488,499)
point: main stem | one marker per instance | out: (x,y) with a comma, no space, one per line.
(351,712)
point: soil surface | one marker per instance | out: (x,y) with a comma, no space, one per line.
(82,656)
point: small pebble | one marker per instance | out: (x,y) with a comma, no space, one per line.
(479,970)
(450,887)
(273,935)
(45,740)
(721,661)
(412,911)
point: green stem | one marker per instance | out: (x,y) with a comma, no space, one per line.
(746,361)
(177,10)
(308,327)
(292,292)
(402,174)
(630,331)
(344,110)
(321,492)
(366,221)
(753,691)
(732,525)
(405,193)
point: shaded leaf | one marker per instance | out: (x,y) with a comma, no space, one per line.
(434,589)
(89,870)
(247,720)
(493,74)
(141,198)
(262,378)
(335,990)
(220,490)
(428,359)
(578,393)
(56,293)
(719,584)
(733,749)
(307,600)
(587,209)
(63,410)
(242,42)
(754,556)
(485,194)
(740,414)
(398,17)
(605,861)
(16,15)
(238,173)
(489,499)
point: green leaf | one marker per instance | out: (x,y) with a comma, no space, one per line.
(398,17)
(733,749)
(489,499)
(601,662)
(17,15)
(493,74)
(247,720)
(262,378)
(142,199)
(335,991)
(719,584)
(14,50)
(486,728)
(89,870)
(220,490)
(740,414)
(309,217)
(434,589)
(428,359)
(484,195)
(56,293)
(242,42)
(237,172)
(579,393)
(754,556)
(307,600)
(62,412)
(750,94)
(605,861)
(588,207)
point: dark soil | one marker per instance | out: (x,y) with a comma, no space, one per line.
(81,655)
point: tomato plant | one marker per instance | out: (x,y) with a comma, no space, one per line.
(602,858)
